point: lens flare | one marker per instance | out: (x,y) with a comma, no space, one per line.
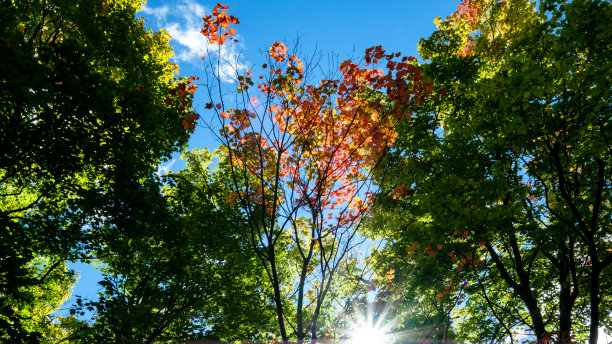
(370,328)
(369,334)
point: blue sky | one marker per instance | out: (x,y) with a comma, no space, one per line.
(345,28)
(335,26)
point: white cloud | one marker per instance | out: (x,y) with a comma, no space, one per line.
(190,38)
(159,13)
(183,22)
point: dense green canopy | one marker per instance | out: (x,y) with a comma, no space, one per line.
(82,88)
(498,192)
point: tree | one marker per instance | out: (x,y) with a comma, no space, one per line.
(241,308)
(503,181)
(182,272)
(89,107)
(300,157)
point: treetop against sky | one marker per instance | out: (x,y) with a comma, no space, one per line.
(342,28)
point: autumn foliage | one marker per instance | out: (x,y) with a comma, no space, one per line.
(301,154)
(320,140)
(217,25)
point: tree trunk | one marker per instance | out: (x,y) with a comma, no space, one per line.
(523,289)
(566,302)
(594,296)
(277,297)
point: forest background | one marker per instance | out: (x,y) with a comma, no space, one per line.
(523,233)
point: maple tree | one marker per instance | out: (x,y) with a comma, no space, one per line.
(300,156)
(502,183)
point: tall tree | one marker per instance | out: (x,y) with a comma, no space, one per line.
(182,271)
(88,106)
(300,156)
(503,182)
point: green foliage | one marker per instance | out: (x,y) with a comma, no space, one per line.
(82,88)
(240,308)
(509,171)
(177,269)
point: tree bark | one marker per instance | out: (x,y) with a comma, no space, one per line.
(567,296)
(594,295)
(277,296)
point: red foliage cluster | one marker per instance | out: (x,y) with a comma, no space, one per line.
(217,26)
(469,12)
(403,81)
(278,51)
(399,191)
(315,144)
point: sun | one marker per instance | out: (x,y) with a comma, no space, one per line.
(371,324)
(369,331)
(369,334)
